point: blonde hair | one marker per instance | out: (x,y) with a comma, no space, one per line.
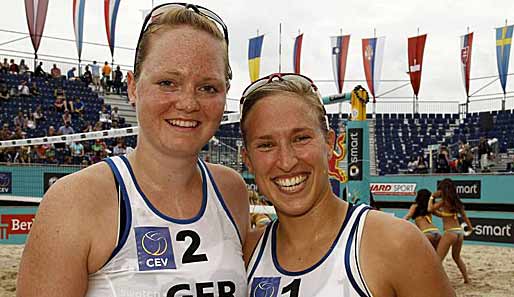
(302,89)
(175,17)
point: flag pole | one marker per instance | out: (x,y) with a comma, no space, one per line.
(467,92)
(341,103)
(374,99)
(280,47)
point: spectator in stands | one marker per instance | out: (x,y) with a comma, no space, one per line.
(65,129)
(34,90)
(115,115)
(95,72)
(23,67)
(465,158)
(6,133)
(31,122)
(421,165)
(4,92)
(38,114)
(19,133)
(78,106)
(98,126)
(104,117)
(106,76)
(20,120)
(484,151)
(66,117)
(14,68)
(443,160)
(59,104)
(39,72)
(41,153)
(50,155)
(5,66)
(51,131)
(88,127)
(71,73)
(117,80)
(77,152)
(59,92)
(120,148)
(98,146)
(87,77)
(55,71)
(23,89)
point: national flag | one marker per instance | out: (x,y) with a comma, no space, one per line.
(372,57)
(416,48)
(466,43)
(35,11)
(503,43)
(78,23)
(297,52)
(111,13)
(254,56)
(340,46)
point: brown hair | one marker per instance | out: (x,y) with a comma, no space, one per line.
(302,89)
(176,17)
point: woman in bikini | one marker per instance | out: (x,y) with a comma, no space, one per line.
(448,208)
(422,218)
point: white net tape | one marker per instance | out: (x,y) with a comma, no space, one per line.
(122,132)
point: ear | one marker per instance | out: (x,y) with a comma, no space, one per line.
(330,142)
(131,86)
(246,159)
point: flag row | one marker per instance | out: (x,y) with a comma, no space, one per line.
(372,58)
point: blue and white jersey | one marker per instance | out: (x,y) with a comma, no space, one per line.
(336,274)
(162,256)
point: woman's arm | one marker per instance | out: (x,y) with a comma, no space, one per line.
(409,214)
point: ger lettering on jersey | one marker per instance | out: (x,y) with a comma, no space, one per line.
(336,274)
(158,255)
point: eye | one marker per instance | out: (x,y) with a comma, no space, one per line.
(209,89)
(166,83)
(302,138)
(264,146)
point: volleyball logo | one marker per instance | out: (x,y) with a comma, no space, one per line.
(265,287)
(154,244)
(154,248)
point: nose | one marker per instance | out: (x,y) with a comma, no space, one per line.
(287,158)
(187,101)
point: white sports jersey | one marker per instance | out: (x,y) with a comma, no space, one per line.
(336,274)
(163,256)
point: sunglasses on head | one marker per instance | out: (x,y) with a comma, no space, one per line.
(294,77)
(162,8)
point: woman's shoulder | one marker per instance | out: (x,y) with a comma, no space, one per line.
(85,188)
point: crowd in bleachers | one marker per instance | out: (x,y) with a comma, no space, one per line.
(38,104)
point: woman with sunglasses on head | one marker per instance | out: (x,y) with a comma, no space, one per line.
(320,245)
(159,221)
(449,208)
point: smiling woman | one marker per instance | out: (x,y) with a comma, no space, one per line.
(160,221)
(320,245)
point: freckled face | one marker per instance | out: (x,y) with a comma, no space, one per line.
(181,91)
(288,153)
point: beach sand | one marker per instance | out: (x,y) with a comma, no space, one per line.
(491,270)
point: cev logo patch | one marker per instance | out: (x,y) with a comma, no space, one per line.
(265,287)
(154,249)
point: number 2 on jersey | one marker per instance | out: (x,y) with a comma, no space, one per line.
(189,254)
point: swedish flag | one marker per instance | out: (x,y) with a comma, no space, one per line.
(254,56)
(503,43)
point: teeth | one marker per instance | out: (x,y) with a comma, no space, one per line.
(291,182)
(183,124)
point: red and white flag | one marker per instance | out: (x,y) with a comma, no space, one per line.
(35,11)
(466,43)
(416,48)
